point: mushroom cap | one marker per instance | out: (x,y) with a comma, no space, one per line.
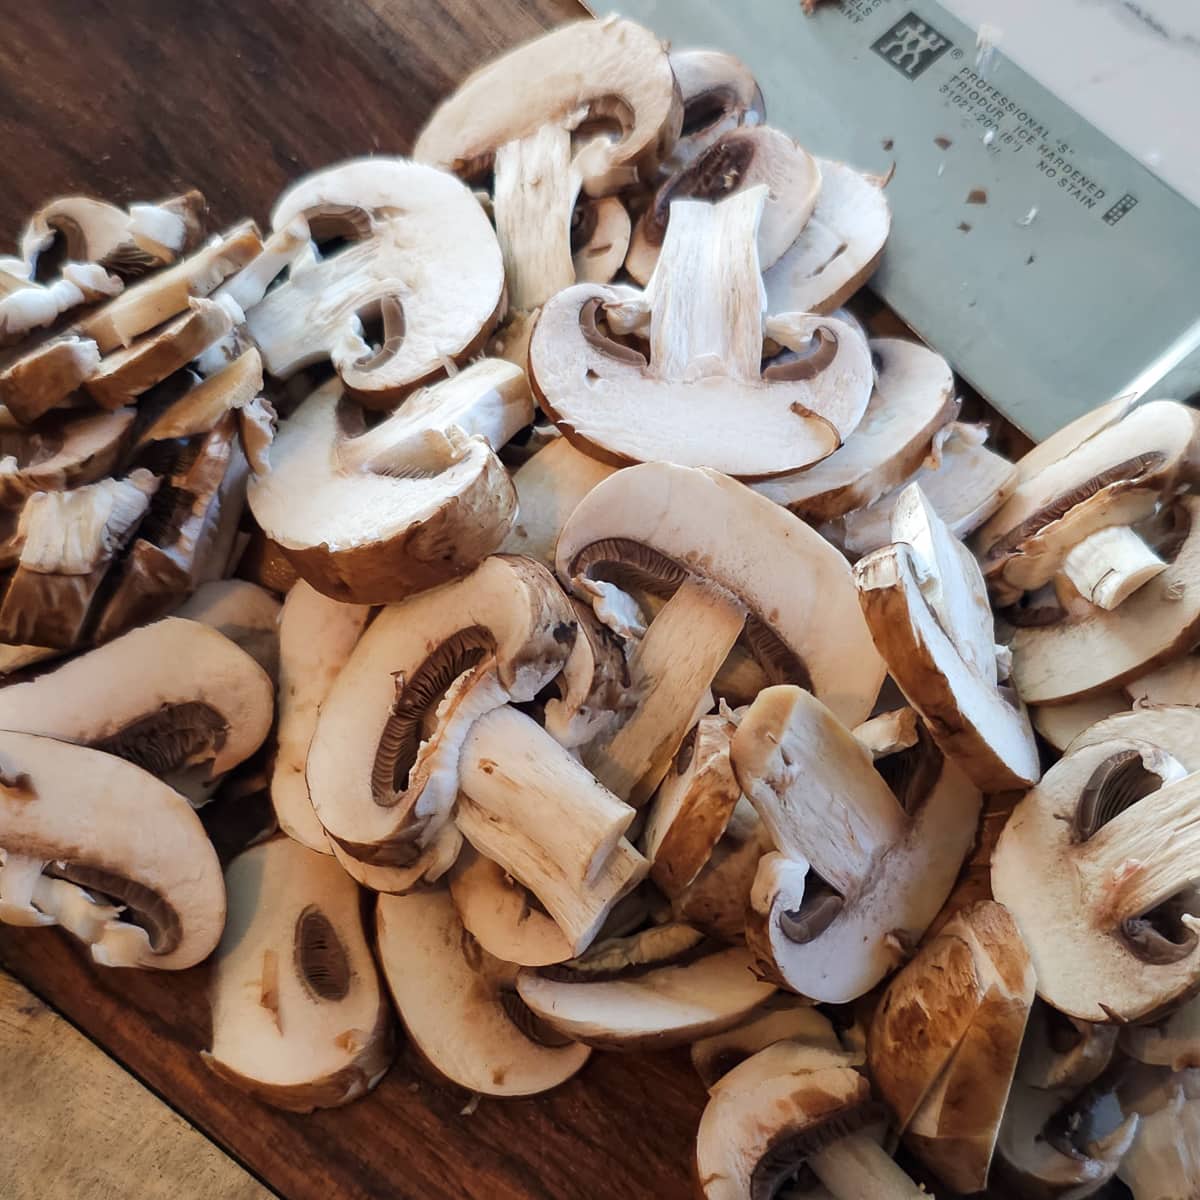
(912,400)
(451,996)
(1091,962)
(611,69)
(248,615)
(610,402)
(402,507)
(299,1019)
(656,523)
(47,376)
(734,161)
(719,93)
(509,612)
(113,829)
(837,250)
(769,1114)
(130,697)
(422,253)
(1075,658)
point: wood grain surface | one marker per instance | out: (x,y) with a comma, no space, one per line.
(75,1126)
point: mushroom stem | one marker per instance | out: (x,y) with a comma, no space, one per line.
(518,775)
(857,1168)
(706,295)
(535,190)
(672,668)
(1110,565)
(1149,852)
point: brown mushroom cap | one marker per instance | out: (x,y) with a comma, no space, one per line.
(74,808)
(299,1018)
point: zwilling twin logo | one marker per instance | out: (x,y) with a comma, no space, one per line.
(912,46)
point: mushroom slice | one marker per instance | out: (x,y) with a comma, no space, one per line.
(1079,656)
(187,538)
(426,869)
(1171,1042)
(1074,514)
(549,486)
(47,377)
(130,698)
(913,399)
(599,239)
(703,398)
(719,94)
(503,916)
(1066,1165)
(790,1114)
(782,1018)
(659,988)
(115,841)
(859,874)
(125,374)
(1097,865)
(1061,724)
(1176,727)
(926,605)
(945,1041)
(838,249)
(421,258)
(60,452)
(652,527)
(316,638)
(199,409)
(248,615)
(1063,1052)
(1163,1162)
(1070,437)
(26,305)
(132,242)
(457,1005)
(69,540)
(734,162)
(383,764)
(692,806)
(1175,683)
(299,1019)
(401,507)
(963,480)
(889,732)
(541,146)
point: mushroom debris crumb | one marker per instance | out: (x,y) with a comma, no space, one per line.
(635,650)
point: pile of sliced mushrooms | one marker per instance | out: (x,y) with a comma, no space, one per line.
(530,518)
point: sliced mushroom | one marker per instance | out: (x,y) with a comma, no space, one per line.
(263,562)
(600,232)
(299,1019)
(692,806)
(164,295)
(1078,656)
(1063,1052)
(913,399)
(703,398)
(839,248)
(963,480)
(406,505)
(383,764)
(544,145)
(926,605)
(1177,727)
(1096,865)
(1070,437)
(859,873)
(47,377)
(201,407)
(945,1041)
(662,987)
(653,526)
(503,916)
(188,537)
(782,1018)
(549,488)
(430,865)
(60,452)
(1036,1157)
(790,1115)
(421,258)
(67,816)
(733,162)
(889,732)
(131,699)
(1163,1162)
(143,238)
(26,305)
(69,540)
(1075,513)
(719,93)
(248,615)
(457,1004)
(1171,1042)
(1061,724)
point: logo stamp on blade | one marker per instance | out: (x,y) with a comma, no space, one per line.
(912,46)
